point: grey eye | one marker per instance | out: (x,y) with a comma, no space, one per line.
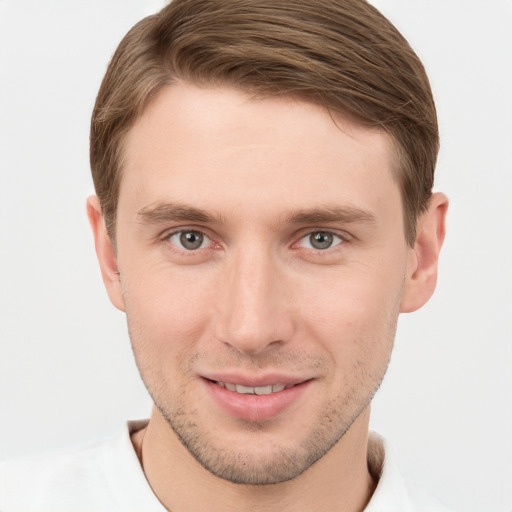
(189,240)
(320,240)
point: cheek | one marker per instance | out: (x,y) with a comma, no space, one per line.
(166,322)
(167,311)
(354,313)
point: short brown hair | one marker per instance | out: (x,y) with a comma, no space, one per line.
(341,54)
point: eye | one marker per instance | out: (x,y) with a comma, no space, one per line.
(320,240)
(189,240)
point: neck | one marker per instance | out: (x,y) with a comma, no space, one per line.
(339,481)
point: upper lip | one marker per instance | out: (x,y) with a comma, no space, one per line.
(255,381)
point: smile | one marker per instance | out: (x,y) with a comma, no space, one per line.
(257,390)
(262,402)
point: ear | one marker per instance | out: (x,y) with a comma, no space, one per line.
(105,252)
(424,256)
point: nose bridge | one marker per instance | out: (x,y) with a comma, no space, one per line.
(252,313)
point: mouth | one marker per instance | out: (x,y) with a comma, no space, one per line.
(253,390)
(255,399)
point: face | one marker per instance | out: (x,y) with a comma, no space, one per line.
(262,262)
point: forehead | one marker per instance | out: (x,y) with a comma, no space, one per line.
(199,144)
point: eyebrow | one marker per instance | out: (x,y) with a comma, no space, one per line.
(165,212)
(346,215)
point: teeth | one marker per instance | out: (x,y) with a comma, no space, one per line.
(248,390)
(263,390)
(244,390)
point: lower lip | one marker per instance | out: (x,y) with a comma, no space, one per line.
(255,408)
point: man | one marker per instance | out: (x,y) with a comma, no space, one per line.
(264,212)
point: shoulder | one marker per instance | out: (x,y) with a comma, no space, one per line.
(394,493)
(95,477)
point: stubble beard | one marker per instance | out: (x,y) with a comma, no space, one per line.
(243,467)
(242,464)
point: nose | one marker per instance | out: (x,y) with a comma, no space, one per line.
(253,307)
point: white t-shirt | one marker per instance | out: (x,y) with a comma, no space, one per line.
(107,477)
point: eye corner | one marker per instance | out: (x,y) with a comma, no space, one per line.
(320,240)
(190,241)
(184,239)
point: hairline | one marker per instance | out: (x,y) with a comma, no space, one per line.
(397,164)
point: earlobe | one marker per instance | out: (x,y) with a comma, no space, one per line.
(105,252)
(421,276)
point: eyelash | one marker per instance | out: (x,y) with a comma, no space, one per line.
(179,233)
(336,240)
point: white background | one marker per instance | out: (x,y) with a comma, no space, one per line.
(66,370)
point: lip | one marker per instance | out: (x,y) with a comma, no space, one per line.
(255,408)
(255,381)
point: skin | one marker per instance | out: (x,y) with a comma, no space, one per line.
(258,300)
